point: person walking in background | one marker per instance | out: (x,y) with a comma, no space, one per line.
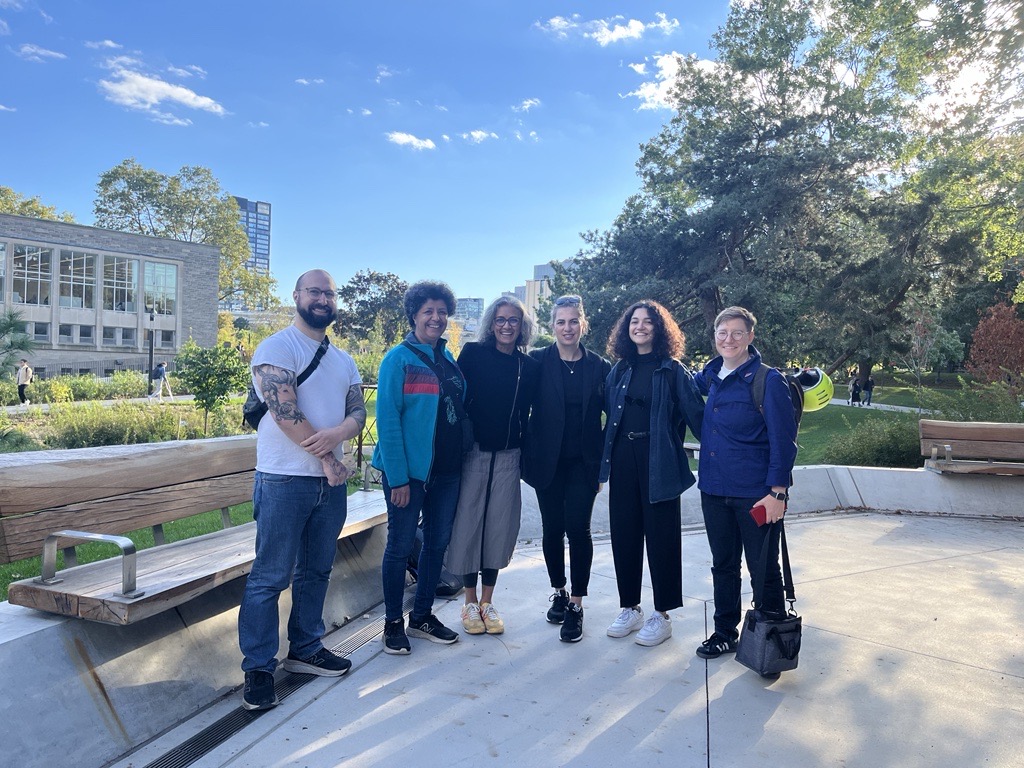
(422,432)
(160,380)
(24,378)
(849,389)
(650,399)
(500,380)
(855,393)
(869,387)
(299,495)
(562,458)
(746,461)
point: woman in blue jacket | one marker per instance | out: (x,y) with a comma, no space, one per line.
(420,442)
(746,460)
(651,399)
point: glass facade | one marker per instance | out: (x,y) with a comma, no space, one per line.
(3,271)
(32,274)
(77,279)
(161,287)
(120,283)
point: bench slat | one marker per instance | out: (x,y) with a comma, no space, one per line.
(974,449)
(974,467)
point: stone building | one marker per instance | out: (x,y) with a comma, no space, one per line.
(90,297)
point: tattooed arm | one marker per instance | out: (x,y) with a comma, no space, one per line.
(278,387)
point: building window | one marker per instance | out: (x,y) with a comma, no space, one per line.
(77,279)
(119,283)
(41,331)
(166,339)
(3,269)
(85,334)
(161,282)
(67,370)
(32,274)
(109,336)
(66,334)
(127,337)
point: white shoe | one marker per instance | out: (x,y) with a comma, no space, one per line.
(628,621)
(656,630)
(28,402)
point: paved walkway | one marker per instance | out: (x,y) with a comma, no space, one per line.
(913,656)
(45,407)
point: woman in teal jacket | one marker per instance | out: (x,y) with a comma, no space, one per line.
(420,441)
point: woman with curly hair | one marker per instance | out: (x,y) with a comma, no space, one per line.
(500,379)
(650,399)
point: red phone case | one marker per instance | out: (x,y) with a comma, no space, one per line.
(759,513)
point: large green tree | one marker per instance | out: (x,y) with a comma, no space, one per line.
(191,206)
(370,304)
(18,204)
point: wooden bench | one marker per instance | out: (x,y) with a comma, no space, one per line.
(978,447)
(52,498)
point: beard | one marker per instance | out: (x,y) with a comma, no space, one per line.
(318,321)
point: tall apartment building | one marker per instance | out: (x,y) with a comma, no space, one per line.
(254,218)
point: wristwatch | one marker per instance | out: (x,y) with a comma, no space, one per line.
(780,496)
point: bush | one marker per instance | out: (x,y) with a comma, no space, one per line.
(8,392)
(12,439)
(878,442)
(86,387)
(975,402)
(128,384)
(55,390)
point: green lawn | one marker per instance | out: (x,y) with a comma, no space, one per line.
(819,428)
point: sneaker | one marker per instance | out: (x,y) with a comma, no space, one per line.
(259,691)
(493,622)
(572,627)
(394,639)
(556,613)
(472,622)
(715,646)
(630,620)
(656,630)
(28,402)
(322,663)
(430,628)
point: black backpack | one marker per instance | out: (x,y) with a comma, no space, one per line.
(796,392)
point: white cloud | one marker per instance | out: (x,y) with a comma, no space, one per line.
(96,44)
(517,135)
(30,52)
(365,112)
(606,31)
(441,108)
(383,73)
(260,124)
(408,140)
(4,28)
(534,136)
(179,72)
(640,69)
(393,102)
(153,96)
(527,105)
(446,137)
(655,94)
(198,71)
(5,108)
(12,5)
(47,18)
(478,137)
(313,81)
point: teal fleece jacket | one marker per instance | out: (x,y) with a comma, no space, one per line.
(407,397)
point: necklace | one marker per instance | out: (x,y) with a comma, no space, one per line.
(572,368)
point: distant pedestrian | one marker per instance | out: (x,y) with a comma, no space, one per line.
(24,379)
(160,380)
(855,393)
(869,387)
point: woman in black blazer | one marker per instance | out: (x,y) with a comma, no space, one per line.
(562,457)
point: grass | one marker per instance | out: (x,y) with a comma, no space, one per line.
(819,428)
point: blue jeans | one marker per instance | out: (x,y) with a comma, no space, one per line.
(298,520)
(732,533)
(437,501)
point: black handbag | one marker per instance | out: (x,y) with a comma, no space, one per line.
(254,409)
(770,640)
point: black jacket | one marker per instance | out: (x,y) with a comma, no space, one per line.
(544,434)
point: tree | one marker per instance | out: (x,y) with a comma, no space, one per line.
(997,347)
(14,342)
(212,375)
(188,206)
(12,202)
(369,298)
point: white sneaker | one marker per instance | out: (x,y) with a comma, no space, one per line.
(628,621)
(656,630)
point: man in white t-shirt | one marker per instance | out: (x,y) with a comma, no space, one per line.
(299,496)
(24,379)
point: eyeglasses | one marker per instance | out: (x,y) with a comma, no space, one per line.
(512,322)
(316,294)
(568,301)
(734,335)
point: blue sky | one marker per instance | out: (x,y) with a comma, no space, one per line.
(462,141)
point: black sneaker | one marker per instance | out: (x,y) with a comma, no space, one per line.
(322,663)
(556,613)
(259,691)
(395,640)
(572,627)
(429,628)
(715,646)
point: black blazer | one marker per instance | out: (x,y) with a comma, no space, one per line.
(544,433)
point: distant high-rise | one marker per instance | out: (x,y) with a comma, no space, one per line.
(254,216)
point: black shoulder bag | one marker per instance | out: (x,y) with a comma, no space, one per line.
(769,641)
(460,409)
(254,409)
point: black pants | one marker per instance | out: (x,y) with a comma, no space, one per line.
(633,518)
(21,392)
(732,533)
(566,507)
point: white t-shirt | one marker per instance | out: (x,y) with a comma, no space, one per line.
(321,399)
(723,372)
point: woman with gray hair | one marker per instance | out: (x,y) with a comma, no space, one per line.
(500,380)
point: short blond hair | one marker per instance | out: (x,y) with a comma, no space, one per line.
(737,313)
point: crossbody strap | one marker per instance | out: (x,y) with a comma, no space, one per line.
(762,568)
(438,369)
(320,352)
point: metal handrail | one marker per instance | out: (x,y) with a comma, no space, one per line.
(127,546)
